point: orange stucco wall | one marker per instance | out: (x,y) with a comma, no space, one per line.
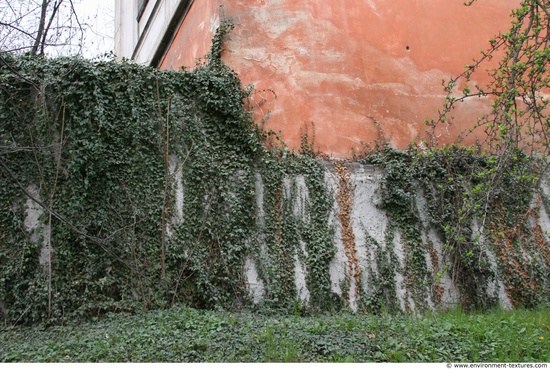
(193,38)
(361,70)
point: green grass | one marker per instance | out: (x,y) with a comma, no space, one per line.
(188,335)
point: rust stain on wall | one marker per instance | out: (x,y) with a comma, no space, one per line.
(344,64)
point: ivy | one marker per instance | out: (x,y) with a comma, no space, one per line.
(481,244)
(126,188)
(104,152)
(512,139)
(295,229)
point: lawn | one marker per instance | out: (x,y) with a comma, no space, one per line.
(188,335)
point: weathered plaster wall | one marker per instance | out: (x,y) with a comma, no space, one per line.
(360,70)
(193,39)
(370,222)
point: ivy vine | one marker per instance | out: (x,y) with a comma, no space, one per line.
(128,188)
(101,154)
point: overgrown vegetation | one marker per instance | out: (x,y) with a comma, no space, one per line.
(488,199)
(95,158)
(485,201)
(188,335)
(485,234)
(126,188)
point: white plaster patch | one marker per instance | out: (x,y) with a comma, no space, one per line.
(315,78)
(366,180)
(372,4)
(543,218)
(503,297)
(36,227)
(175,171)
(422,207)
(255,284)
(214,23)
(281,62)
(450,294)
(367,219)
(333,56)
(276,22)
(47,250)
(260,220)
(257,54)
(400,289)
(544,222)
(259,188)
(33,212)
(302,195)
(300,275)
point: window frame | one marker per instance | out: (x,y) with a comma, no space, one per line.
(142,4)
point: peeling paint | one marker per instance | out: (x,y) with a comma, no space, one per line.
(338,61)
(255,284)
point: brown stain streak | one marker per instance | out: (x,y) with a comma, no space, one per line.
(345,203)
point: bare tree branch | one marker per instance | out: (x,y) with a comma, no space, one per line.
(52,16)
(41,25)
(16,28)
